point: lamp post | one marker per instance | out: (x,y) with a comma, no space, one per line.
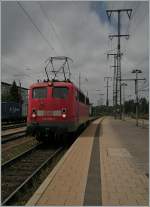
(107,78)
(136,93)
(123,111)
(101,99)
(101,94)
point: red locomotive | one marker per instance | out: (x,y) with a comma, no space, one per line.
(56,108)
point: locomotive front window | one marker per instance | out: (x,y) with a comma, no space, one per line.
(39,93)
(60,92)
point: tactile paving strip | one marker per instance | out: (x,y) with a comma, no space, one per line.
(92,195)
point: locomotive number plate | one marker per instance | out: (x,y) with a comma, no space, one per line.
(40,113)
(49,113)
(57,113)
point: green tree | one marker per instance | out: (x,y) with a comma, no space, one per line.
(14,92)
(6,97)
(130,106)
(143,106)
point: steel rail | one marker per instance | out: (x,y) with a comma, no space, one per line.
(13,126)
(13,136)
(9,162)
(29,179)
(6,123)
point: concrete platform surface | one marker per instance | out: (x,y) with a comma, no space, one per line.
(124,163)
(103,167)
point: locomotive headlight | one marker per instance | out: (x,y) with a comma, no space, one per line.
(64,115)
(64,110)
(50,84)
(34,115)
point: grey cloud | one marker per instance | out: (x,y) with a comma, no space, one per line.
(73,30)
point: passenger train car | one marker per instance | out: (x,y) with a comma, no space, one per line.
(55,109)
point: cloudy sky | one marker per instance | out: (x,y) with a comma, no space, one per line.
(33,31)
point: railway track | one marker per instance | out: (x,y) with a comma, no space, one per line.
(19,172)
(13,126)
(13,136)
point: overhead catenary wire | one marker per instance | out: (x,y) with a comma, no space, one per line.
(50,23)
(145,17)
(143,59)
(31,20)
(140,22)
(134,27)
(145,85)
(132,16)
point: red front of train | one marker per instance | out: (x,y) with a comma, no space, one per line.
(55,108)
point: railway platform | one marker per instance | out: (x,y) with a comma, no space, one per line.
(106,165)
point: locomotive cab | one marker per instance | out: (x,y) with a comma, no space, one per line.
(51,110)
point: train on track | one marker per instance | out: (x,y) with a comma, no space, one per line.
(56,109)
(13,111)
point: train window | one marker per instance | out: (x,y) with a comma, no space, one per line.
(39,93)
(60,92)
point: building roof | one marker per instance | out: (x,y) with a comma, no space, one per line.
(8,84)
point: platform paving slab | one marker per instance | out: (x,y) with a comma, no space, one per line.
(122,182)
(92,196)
